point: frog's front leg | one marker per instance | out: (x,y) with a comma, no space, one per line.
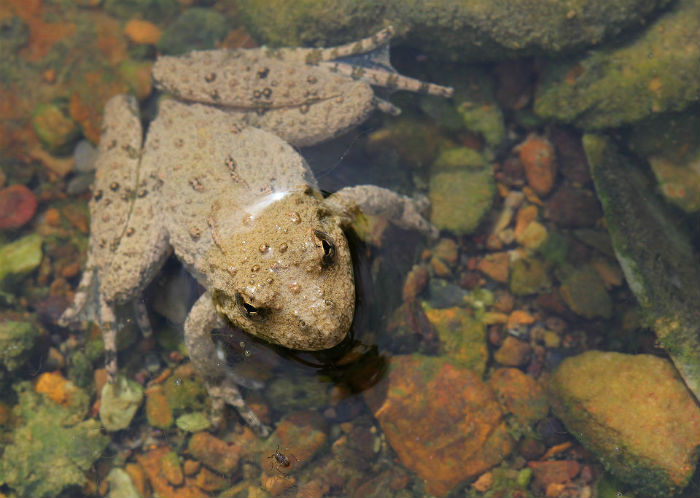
(221,382)
(401,210)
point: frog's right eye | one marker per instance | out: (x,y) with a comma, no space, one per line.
(248,310)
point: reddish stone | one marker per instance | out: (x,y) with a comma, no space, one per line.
(17,206)
(554,471)
(152,464)
(513,352)
(443,422)
(537,156)
(572,158)
(214,453)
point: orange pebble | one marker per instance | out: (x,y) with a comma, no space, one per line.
(142,32)
(537,156)
(53,217)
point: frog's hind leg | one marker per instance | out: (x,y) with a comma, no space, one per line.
(220,381)
(368,60)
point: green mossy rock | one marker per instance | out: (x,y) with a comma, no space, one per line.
(461,190)
(656,255)
(585,293)
(16,342)
(457,29)
(20,256)
(634,413)
(56,130)
(51,450)
(671,145)
(654,72)
(529,276)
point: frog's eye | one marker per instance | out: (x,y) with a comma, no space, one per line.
(248,310)
(328,246)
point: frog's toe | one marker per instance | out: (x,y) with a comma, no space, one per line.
(227,393)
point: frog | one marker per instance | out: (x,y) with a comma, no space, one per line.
(217,181)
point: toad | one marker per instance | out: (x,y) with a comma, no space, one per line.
(218,182)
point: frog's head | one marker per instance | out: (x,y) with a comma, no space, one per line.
(285,273)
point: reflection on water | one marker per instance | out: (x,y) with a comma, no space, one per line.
(546,343)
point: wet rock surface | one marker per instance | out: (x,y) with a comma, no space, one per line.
(443,422)
(653,447)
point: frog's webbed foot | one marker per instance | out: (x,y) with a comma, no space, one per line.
(404,212)
(368,60)
(221,383)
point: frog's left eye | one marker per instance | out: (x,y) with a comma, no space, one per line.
(328,246)
(249,311)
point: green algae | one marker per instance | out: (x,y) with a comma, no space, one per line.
(20,257)
(52,449)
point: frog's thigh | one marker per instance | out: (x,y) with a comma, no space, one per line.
(402,211)
(137,257)
(221,383)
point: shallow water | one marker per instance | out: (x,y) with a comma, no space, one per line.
(448,381)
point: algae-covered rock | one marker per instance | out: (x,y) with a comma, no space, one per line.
(462,338)
(20,256)
(193,422)
(119,403)
(474,29)
(585,293)
(654,72)
(56,130)
(529,276)
(195,29)
(16,342)
(671,145)
(121,484)
(656,256)
(634,413)
(51,450)
(461,190)
(442,421)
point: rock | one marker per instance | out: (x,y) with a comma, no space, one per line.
(56,130)
(63,392)
(85,155)
(158,412)
(216,454)
(651,73)
(20,256)
(445,294)
(17,206)
(16,342)
(301,433)
(538,159)
(195,29)
(461,190)
(671,146)
(119,402)
(154,463)
(656,256)
(51,450)
(442,421)
(447,251)
(415,143)
(653,446)
(462,338)
(474,30)
(121,485)
(529,276)
(154,10)
(496,265)
(298,392)
(585,293)
(520,395)
(142,32)
(555,471)
(572,206)
(193,422)
(513,352)
(415,283)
